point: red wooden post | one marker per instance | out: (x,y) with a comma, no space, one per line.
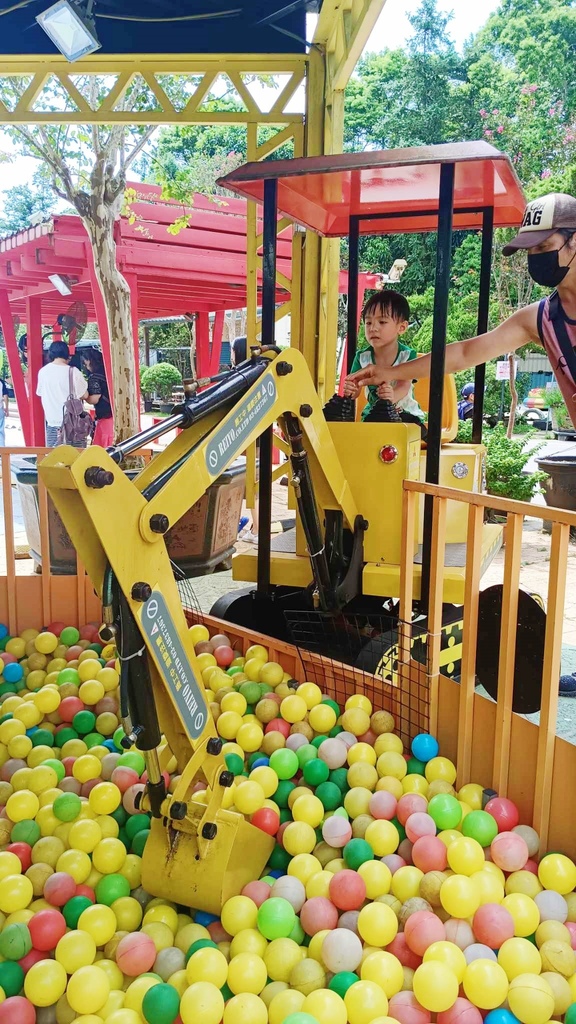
(132,280)
(15,366)
(35,361)
(216,349)
(202,345)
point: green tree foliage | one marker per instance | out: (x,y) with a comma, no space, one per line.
(23,202)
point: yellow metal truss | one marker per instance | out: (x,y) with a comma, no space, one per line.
(29,84)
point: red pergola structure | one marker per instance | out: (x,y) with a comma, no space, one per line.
(200,270)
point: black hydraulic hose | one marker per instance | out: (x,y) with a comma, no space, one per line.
(305,496)
(223,392)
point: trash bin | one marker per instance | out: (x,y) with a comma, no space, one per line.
(201,542)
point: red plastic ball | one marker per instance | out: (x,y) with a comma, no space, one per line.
(59,888)
(24,853)
(429,854)
(462,1012)
(279,725)
(73,653)
(266,820)
(69,707)
(224,656)
(347,890)
(422,929)
(17,1010)
(85,890)
(46,929)
(505,813)
(28,961)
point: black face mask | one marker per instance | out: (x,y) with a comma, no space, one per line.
(544,267)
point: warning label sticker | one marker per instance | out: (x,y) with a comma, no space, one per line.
(230,438)
(173,663)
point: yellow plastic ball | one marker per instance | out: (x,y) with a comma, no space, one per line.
(45,983)
(280,957)
(525,913)
(358,700)
(377,924)
(449,954)
(485,984)
(377,878)
(271,673)
(459,896)
(525,882)
(293,709)
(388,742)
(531,999)
(393,764)
(364,1002)
(322,718)
(249,736)
(308,809)
(250,940)
(435,986)
(557,872)
(519,956)
(99,921)
(383,837)
(356,721)
(202,1002)
(357,801)
(283,1004)
(406,883)
(16,892)
(137,990)
(128,913)
(299,837)
(465,856)
(75,863)
(247,973)
(238,913)
(45,643)
(325,1006)
(385,970)
(440,768)
(88,990)
(109,856)
(86,768)
(311,693)
(16,646)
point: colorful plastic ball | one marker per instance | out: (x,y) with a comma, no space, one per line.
(435,986)
(46,929)
(445,811)
(74,950)
(15,941)
(493,925)
(202,1001)
(88,989)
(239,913)
(509,851)
(424,746)
(325,1006)
(448,954)
(17,1010)
(557,872)
(357,852)
(161,1004)
(377,924)
(45,982)
(347,890)
(317,914)
(531,999)
(365,1001)
(285,763)
(336,831)
(135,953)
(485,984)
(459,897)
(519,956)
(59,888)
(341,951)
(481,826)
(16,892)
(525,913)
(276,918)
(504,811)
(552,906)
(100,922)
(429,854)
(462,1012)
(422,929)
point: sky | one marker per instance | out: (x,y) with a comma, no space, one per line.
(391,30)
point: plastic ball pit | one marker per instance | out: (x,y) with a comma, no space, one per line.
(391,895)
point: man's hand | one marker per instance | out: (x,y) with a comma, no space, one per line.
(386,391)
(351,388)
(372,374)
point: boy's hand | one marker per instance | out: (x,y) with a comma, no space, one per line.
(351,388)
(386,391)
(371,374)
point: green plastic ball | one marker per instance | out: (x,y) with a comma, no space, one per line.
(74,908)
(330,795)
(42,738)
(342,981)
(481,826)
(445,811)
(64,735)
(132,759)
(26,831)
(11,977)
(68,675)
(339,776)
(83,722)
(276,918)
(111,888)
(160,1004)
(279,858)
(285,763)
(139,841)
(234,763)
(357,852)
(282,793)
(135,824)
(15,941)
(67,807)
(69,636)
(315,772)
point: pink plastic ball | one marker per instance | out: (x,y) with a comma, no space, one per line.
(459,932)
(28,961)
(17,1010)
(504,812)
(347,890)
(410,803)
(13,764)
(401,950)
(405,1008)
(382,804)
(422,929)
(405,850)
(429,854)
(59,888)
(333,752)
(217,932)
(493,924)
(462,1012)
(571,926)
(258,892)
(124,777)
(393,862)
(336,831)
(531,865)
(130,796)
(418,825)
(279,725)
(368,737)
(70,785)
(509,851)
(135,954)
(318,914)
(86,890)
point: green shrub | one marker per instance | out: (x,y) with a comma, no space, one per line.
(160,379)
(505,462)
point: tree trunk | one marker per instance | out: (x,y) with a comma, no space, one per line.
(514,394)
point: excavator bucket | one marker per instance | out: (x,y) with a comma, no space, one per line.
(173,869)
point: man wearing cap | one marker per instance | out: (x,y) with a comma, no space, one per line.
(548,233)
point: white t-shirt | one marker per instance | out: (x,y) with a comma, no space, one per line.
(54,389)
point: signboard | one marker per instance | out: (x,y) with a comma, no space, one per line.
(173,664)
(503,369)
(230,438)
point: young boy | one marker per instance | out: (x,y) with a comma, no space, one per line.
(386,315)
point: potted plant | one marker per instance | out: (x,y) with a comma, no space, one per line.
(160,380)
(147,396)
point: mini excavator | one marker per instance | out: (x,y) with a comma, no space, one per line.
(347,478)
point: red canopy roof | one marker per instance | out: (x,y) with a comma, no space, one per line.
(401,185)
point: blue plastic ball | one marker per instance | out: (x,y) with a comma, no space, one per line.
(3,630)
(201,917)
(425,747)
(500,1016)
(13,672)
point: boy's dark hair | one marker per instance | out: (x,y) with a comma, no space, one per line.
(390,302)
(239,349)
(58,350)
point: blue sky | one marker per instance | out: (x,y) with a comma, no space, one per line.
(391,30)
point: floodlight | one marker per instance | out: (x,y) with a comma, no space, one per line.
(71,28)
(60,283)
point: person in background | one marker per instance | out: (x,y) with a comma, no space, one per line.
(3,411)
(466,406)
(99,397)
(54,389)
